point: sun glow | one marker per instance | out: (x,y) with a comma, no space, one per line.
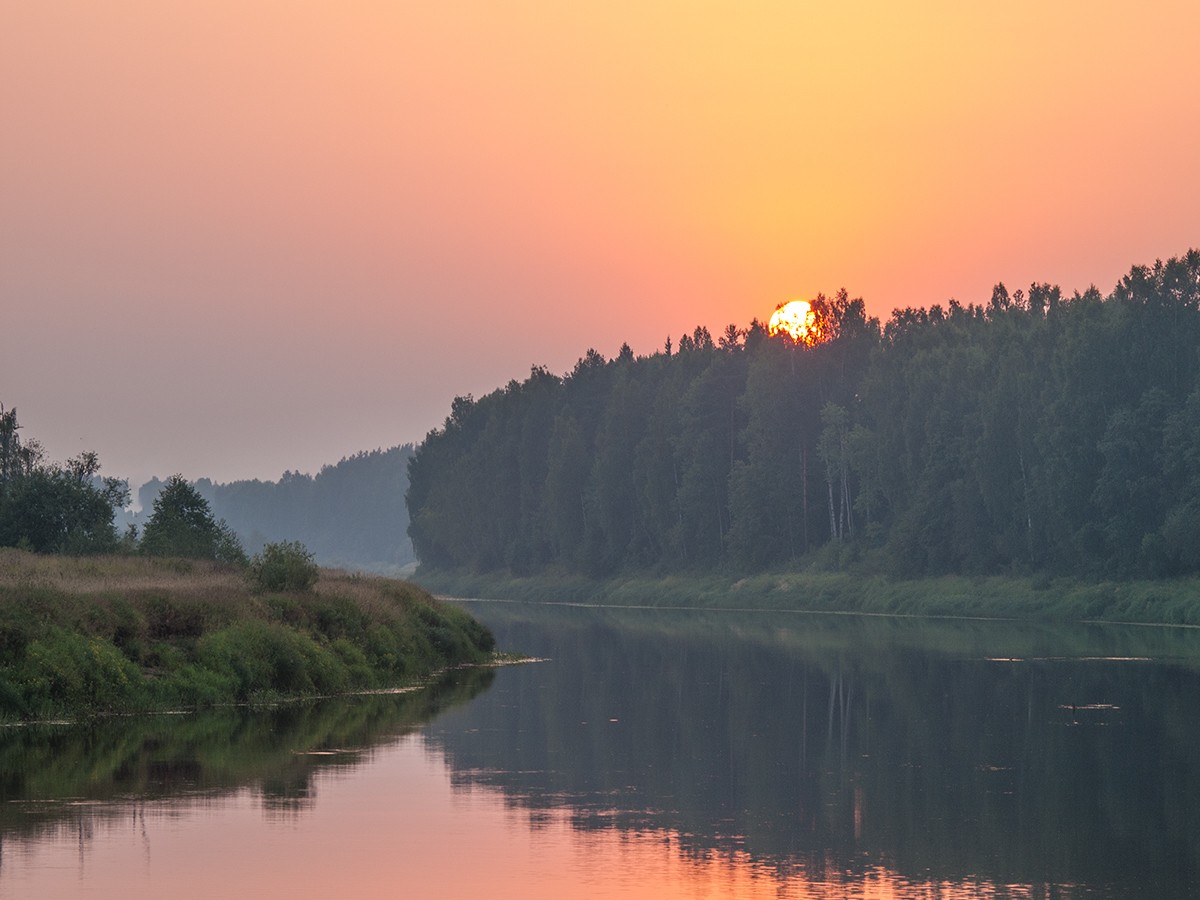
(798,320)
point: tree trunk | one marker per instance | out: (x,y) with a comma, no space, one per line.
(804,482)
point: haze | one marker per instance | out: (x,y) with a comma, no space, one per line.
(238,238)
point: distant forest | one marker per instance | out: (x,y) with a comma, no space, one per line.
(1033,433)
(350,515)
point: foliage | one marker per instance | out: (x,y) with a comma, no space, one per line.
(350,515)
(693,459)
(228,548)
(1032,433)
(182,525)
(54,508)
(130,633)
(286,566)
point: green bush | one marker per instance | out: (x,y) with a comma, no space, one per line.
(265,658)
(286,566)
(66,670)
(197,685)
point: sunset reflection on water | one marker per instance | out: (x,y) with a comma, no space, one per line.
(654,754)
(397,826)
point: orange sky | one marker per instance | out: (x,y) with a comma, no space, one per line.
(239,237)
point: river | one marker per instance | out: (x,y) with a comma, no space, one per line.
(652,754)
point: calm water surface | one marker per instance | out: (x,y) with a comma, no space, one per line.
(653,754)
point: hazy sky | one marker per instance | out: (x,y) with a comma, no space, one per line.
(242,237)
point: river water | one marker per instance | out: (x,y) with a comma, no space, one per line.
(653,754)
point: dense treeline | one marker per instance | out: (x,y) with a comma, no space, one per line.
(1035,432)
(351,514)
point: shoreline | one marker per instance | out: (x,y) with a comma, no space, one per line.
(1165,603)
(89,636)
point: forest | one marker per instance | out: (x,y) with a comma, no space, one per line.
(350,515)
(1036,432)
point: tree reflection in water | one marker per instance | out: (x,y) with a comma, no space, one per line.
(69,776)
(944,751)
(658,754)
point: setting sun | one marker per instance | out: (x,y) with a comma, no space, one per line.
(797,320)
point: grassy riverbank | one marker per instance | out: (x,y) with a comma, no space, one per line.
(1037,598)
(81,635)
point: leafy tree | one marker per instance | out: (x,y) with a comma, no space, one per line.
(50,511)
(182,525)
(17,457)
(53,508)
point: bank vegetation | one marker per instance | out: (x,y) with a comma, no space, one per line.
(82,635)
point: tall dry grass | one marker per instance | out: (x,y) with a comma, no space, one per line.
(119,632)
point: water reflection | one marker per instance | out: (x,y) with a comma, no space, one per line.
(656,755)
(853,746)
(68,776)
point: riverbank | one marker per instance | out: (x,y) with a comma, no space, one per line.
(89,635)
(1036,598)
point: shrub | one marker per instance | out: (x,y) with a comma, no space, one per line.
(263,658)
(286,566)
(65,670)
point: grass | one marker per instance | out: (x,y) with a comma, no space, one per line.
(89,635)
(1034,598)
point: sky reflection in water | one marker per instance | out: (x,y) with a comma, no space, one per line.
(398,828)
(719,756)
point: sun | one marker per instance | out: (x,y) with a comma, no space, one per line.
(797,320)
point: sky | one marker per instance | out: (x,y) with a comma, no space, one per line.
(239,237)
